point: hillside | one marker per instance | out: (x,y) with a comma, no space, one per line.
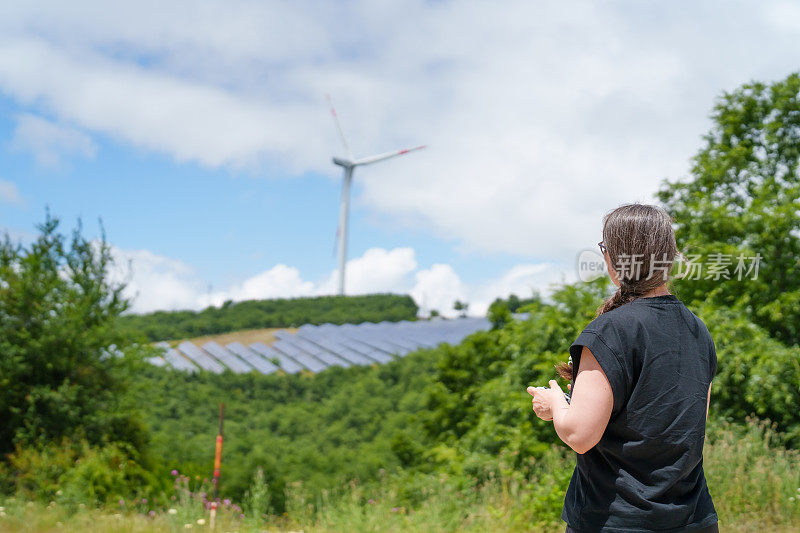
(244,336)
(460,411)
(313,348)
(273,313)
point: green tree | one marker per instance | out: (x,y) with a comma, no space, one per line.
(743,199)
(63,363)
(499,313)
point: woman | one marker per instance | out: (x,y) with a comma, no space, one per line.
(640,398)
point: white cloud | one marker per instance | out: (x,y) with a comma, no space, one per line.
(438,288)
(280,281)
(48,142)
(522,280)
(160,283)
(9,194)
(155,282)
(149,109)
(539,116)
(376,271)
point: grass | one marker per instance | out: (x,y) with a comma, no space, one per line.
(754,483)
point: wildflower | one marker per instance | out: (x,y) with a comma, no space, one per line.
(172,511)
(152,514)
(59,492)
(144,501)
(395,509)
(201,521)
(791,498)
(226,502)
(174,472)
(122,502)
(241,515)
(371,501)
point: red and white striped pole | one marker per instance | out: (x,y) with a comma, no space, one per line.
(217,466)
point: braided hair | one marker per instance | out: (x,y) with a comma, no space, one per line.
(640,243)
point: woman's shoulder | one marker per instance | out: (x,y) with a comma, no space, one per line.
(620,317)
(621,325)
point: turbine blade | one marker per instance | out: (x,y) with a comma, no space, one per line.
(339,128)
(380,157)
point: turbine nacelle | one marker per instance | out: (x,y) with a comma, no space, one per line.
(345,163)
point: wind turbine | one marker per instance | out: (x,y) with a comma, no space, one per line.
(349,164)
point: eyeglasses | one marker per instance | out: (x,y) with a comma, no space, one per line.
(602,246)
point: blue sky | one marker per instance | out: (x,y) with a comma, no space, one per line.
(202,137)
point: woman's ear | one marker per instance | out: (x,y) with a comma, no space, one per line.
(612,273)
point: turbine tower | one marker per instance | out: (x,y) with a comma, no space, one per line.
(349,164)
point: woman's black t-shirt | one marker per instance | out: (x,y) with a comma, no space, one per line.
(646,472)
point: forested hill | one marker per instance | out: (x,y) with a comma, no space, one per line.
(276,313)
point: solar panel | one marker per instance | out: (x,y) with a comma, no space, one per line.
(316,347)
(227,358)
(377,355)
(282,334)
(178,361)
(286,363)
(377,343)
(175,359)
(296,353)
(252,358)
(320,353)
(398,338)
(428,335)
(201,358)
(353,356)
(422,335)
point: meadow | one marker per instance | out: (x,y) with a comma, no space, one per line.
(754,483)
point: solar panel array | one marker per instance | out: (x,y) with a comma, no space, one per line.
(314,348)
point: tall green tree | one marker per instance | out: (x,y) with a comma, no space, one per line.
(63,364)
(743,200)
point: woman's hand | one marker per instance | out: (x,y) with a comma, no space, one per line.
(543,401)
